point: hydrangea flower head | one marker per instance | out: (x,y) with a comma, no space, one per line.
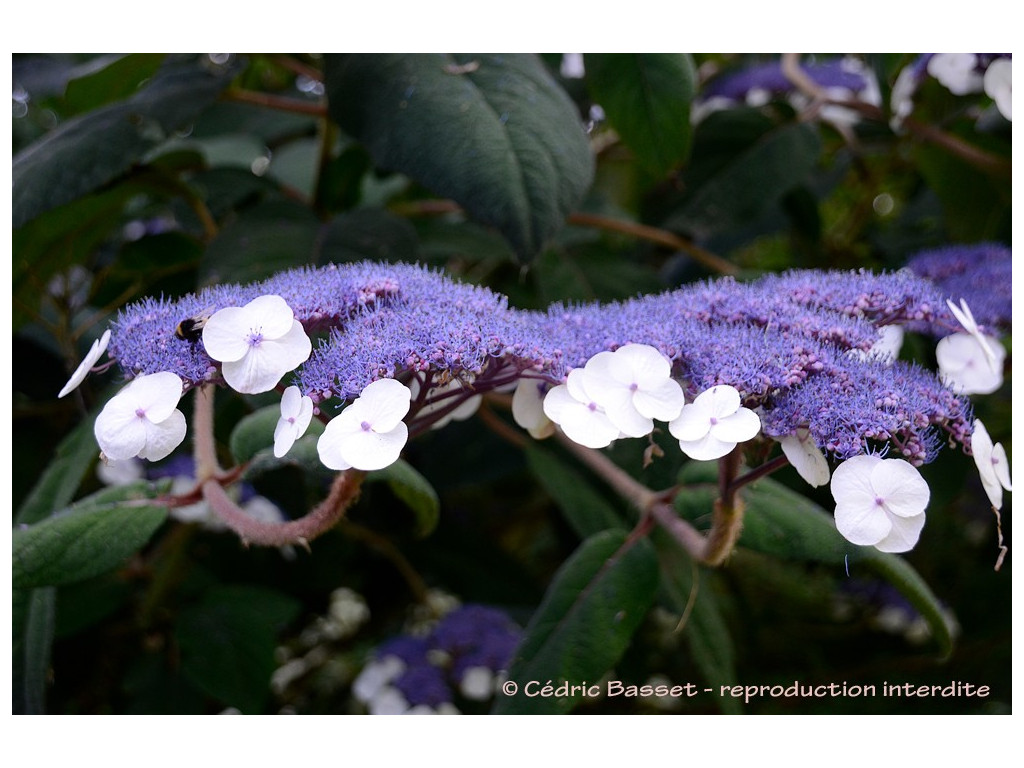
(369,434)
(257,344)
(880,502)
(992,464)
(714,423)
(142,419)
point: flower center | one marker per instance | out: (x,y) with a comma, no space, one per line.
(634,387)
(713,421)
(879,501)
(366,426)
(592,406)
(255,338)
(140,413)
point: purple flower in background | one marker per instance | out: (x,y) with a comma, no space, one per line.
(981,274)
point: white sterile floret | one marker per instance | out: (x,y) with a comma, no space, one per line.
(956,72)
(256,344)
(581,419)
(296,413)
(528,408)
(142,419)
(95,353)
(965,364)
(477,683)
(447,393)
(992,464)
(375,677)
(370,433)
(998,86)
(966,318)
(806,457)
(880,502)
(713,424)
(634,386)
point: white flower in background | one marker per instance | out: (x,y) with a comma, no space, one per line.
(997,85)
(296,413)
(95,353)
(256,344)
(713,424)
(806,457)
(880,502)
(634,386)
(528,408)
(477,683)
(901,99)
(581,419)
(462,412)
(956,72)
(992,464)
(375,677)
(369,434)
(965,364)
(142,419)
(123,472)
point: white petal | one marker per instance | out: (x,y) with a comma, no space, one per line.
(693,422)
(741,426)
(556,401)
(463,411)
(998,85)
(586,426)
(263,366)
(963,315)
(270,316)
(369,450)
(965,366)
(707,448)
(663,401)
(95,353)
(851,482)
(331,443)
(528,405)
(296,413)
(724,400)
(574,386)
(120,433)
(861,523)
(903,491)
(904,534)
(1002,466)
(646,364)
(384,403)
(806,458)
(164,437)
(291,402)
(226,335)
(157,394)
(992,464)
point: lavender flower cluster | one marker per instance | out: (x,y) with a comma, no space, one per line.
(793,345)
(981,274)
(463,657)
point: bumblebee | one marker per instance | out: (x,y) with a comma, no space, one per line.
(191,328)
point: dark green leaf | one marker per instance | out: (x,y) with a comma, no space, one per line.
(117,80)
(87,540)
(586,621)
(88,151)
(752,181)
(32,612)
(585,509)
(273,236)
(493,132)
(413,489)
(55,489)
(689,591)
(646,97)
(227,643)
(974,207)
(368,233)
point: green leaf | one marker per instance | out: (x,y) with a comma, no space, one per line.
(227,643)
(494,132)
(270,237)
(32,613)
(585,509)
(58,484)
(88,151)
(753,180)
(413,489)
(646,97)
(89,539)
(586,621)
(117,80)
(689,591)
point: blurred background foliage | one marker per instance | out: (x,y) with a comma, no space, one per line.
(145,174)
